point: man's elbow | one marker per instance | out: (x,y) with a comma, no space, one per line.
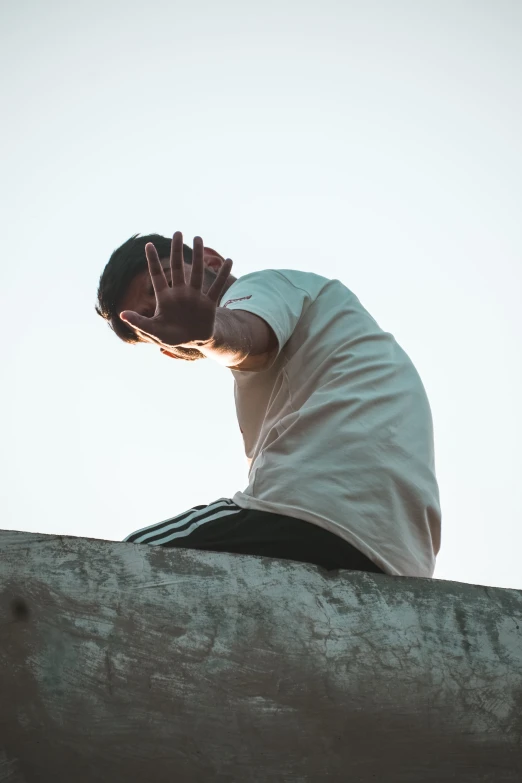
(256,362)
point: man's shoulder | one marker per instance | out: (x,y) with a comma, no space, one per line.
(281,285)
(296,277)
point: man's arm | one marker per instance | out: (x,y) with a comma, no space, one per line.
(241,341)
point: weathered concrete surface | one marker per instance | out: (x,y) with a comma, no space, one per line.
(125,662)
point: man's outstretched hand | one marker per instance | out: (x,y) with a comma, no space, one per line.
(184,314)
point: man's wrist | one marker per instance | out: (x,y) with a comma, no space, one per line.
(229,344)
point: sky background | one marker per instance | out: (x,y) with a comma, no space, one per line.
(378,143)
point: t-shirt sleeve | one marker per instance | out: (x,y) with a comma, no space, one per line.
(273,297)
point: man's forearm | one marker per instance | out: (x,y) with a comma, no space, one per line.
(231,343)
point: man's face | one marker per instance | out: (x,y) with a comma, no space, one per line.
(140,297)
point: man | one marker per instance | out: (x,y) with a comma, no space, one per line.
(335,419)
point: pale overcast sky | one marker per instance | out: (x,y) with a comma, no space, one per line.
(377,142)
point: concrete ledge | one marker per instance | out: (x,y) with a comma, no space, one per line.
(125,662)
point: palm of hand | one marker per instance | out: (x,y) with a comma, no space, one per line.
(184,314)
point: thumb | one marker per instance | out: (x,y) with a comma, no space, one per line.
(134,319)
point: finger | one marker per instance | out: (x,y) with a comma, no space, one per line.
(196,277)
(177,267)
(217,287)
(157,275)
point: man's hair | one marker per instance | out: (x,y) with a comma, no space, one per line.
(125,263)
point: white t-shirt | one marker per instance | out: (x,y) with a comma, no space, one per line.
(338,430)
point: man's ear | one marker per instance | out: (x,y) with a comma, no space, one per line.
(213,260)
(167,353)
(214,252)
